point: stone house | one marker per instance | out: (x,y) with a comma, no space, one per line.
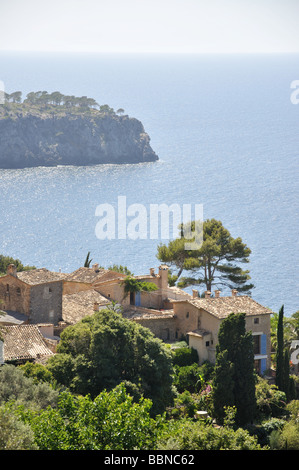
(37,294)
(41,296)
(200,320)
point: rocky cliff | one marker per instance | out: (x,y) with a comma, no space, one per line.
(29,139)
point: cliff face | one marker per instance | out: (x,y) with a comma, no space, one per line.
(47,140)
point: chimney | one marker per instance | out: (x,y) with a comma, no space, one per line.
(95,267)
(12,270)
(234,292)
(194,293)
(207,294)
(163,273)
(96,306)
(217,294)
(152,271)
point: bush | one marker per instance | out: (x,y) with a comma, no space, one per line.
(186,434)
(287,438)
(37,372)
(270,400)
(185,356)
(188,378)
(14,434)
(14,386)
(112,421)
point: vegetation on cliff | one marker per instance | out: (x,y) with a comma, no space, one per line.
(42,102)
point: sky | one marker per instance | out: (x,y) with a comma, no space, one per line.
(150,26)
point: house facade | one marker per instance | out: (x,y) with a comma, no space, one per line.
(200,320)
(37,294)
(41,296)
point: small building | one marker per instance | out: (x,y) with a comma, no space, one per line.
(84,278)
(200,319)
(35,293)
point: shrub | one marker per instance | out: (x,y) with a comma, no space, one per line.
(14,386)
(14,434)
(185,356)
(111,421)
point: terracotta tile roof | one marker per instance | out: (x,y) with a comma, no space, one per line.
(24,342)
(142,313)
(91,275)
(39,276)
(199,332)
(221,307)
(81,304)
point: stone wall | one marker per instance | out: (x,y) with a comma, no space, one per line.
(14,295)
(46,303)
(163,328)
(72,287)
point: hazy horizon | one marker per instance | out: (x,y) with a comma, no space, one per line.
(150,26)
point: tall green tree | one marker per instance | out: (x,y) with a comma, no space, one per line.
(223,385)
(105,349)
(216,262)
(234,382)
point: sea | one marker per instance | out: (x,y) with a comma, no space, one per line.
(226,130)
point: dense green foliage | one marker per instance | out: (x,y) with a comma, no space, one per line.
(110,378)
(105,349)
(109,421)
(25,391)
(216,261)
(185,356)
(131,284)
(54,102)
(6,260)
(14,434)
(119,420)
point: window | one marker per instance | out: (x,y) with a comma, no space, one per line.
(207,343)
(256,344)
(18,291)
(256,321)
(187,315)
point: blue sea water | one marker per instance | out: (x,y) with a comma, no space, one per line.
(227,137)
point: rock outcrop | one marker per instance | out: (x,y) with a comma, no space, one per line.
(49,139)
